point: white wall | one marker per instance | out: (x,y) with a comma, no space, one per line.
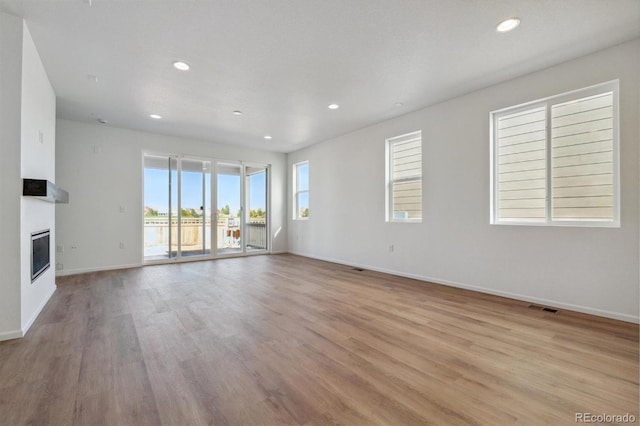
(101,167)
(37,162)
(27,107)
(586,269)
(10,183)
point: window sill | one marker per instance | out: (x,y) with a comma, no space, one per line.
(567,224)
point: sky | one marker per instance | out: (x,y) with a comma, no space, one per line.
(156,190)
(303,176)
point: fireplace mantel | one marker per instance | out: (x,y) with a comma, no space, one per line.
(44,190)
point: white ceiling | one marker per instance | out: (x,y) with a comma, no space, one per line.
(282,62)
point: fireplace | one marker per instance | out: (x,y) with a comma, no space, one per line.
(40,253)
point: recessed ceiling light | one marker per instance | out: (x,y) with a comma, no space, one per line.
(182,66)
(155,116)
(334,106)
(508,25)
(236,112)
(398,104)
(102,121)
(267,137)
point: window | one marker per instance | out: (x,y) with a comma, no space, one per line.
(301,190)
(404,178)
(555,161)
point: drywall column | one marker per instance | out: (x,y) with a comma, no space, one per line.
(38,149)
(10,111)
(27,149)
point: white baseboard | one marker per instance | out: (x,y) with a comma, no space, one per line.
(10,335)
(139,265)
(27,326)
(522,297)
(102,268)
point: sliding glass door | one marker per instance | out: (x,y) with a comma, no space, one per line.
(255,215)
(160,214)
(195,207)
(229,197)
(189,208)
(177,207)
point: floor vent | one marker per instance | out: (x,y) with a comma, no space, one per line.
(542,308)
(358,269)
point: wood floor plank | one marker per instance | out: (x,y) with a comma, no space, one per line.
(287,340)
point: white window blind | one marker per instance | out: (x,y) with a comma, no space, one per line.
(555,160)
(404,177)
(582,158)
(522,167)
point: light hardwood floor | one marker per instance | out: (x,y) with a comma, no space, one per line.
(289,340)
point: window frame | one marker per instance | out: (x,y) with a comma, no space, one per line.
(389,217)
(297,191)
(612,86)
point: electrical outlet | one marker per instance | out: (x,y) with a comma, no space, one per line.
(391,248)
(122,209)
(121,245)
(73,246)
(40,136)
(59,248)
(59,266)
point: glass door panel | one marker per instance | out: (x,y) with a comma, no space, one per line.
(174,214)
(207,167)
(156,207)
(229,208)
(255,216)
(194,207)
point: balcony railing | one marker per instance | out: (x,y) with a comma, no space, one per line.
(157,231)
(256,235)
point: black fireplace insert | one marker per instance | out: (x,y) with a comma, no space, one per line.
(40,253)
